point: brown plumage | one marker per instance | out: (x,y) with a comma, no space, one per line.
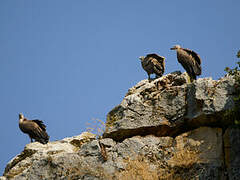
(238,54)
(190,61)
(34,128)
(153,64)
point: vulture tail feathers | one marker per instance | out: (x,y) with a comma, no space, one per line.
(42,140)
(197,69)
(43,137)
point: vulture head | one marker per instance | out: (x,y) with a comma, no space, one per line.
(141,58)
(176,47)
(21,117)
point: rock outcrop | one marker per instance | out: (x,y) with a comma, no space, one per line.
(168,106)
(163,129)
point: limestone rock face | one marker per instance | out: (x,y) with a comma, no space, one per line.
(163,129)
(38,160)
(168,106)
(200,150)
(232,151)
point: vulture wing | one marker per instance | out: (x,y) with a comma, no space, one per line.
(194,61)
(40,123)
(37,130)
(158,63)
(160,59)
(194,55)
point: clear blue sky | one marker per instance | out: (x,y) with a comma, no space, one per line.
(67,62)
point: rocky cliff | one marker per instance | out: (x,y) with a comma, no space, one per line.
(163,129)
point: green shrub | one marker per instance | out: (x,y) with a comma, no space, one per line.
(238,54)
(234,114)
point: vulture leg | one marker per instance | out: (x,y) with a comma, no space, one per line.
(188,79)
(31,139)
(149,78)
(192,78)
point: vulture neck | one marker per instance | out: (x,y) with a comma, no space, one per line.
(21,120)
(178,49)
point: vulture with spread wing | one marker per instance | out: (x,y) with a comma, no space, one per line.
(153,64)
(34,128)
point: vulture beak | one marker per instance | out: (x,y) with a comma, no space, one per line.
(175,47)
(20,116)
(141,58)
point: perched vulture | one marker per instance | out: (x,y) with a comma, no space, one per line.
(153,64)
(238,54)
(190,61)
(34,128)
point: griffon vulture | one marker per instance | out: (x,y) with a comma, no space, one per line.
(34,128)
(153,64)
(190,61)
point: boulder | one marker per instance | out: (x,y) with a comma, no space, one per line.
(168,106)
(42,160)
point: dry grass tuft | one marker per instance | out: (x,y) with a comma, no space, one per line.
(185,158)
(185,164)
(182,166)
(97,127)
(138,169)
